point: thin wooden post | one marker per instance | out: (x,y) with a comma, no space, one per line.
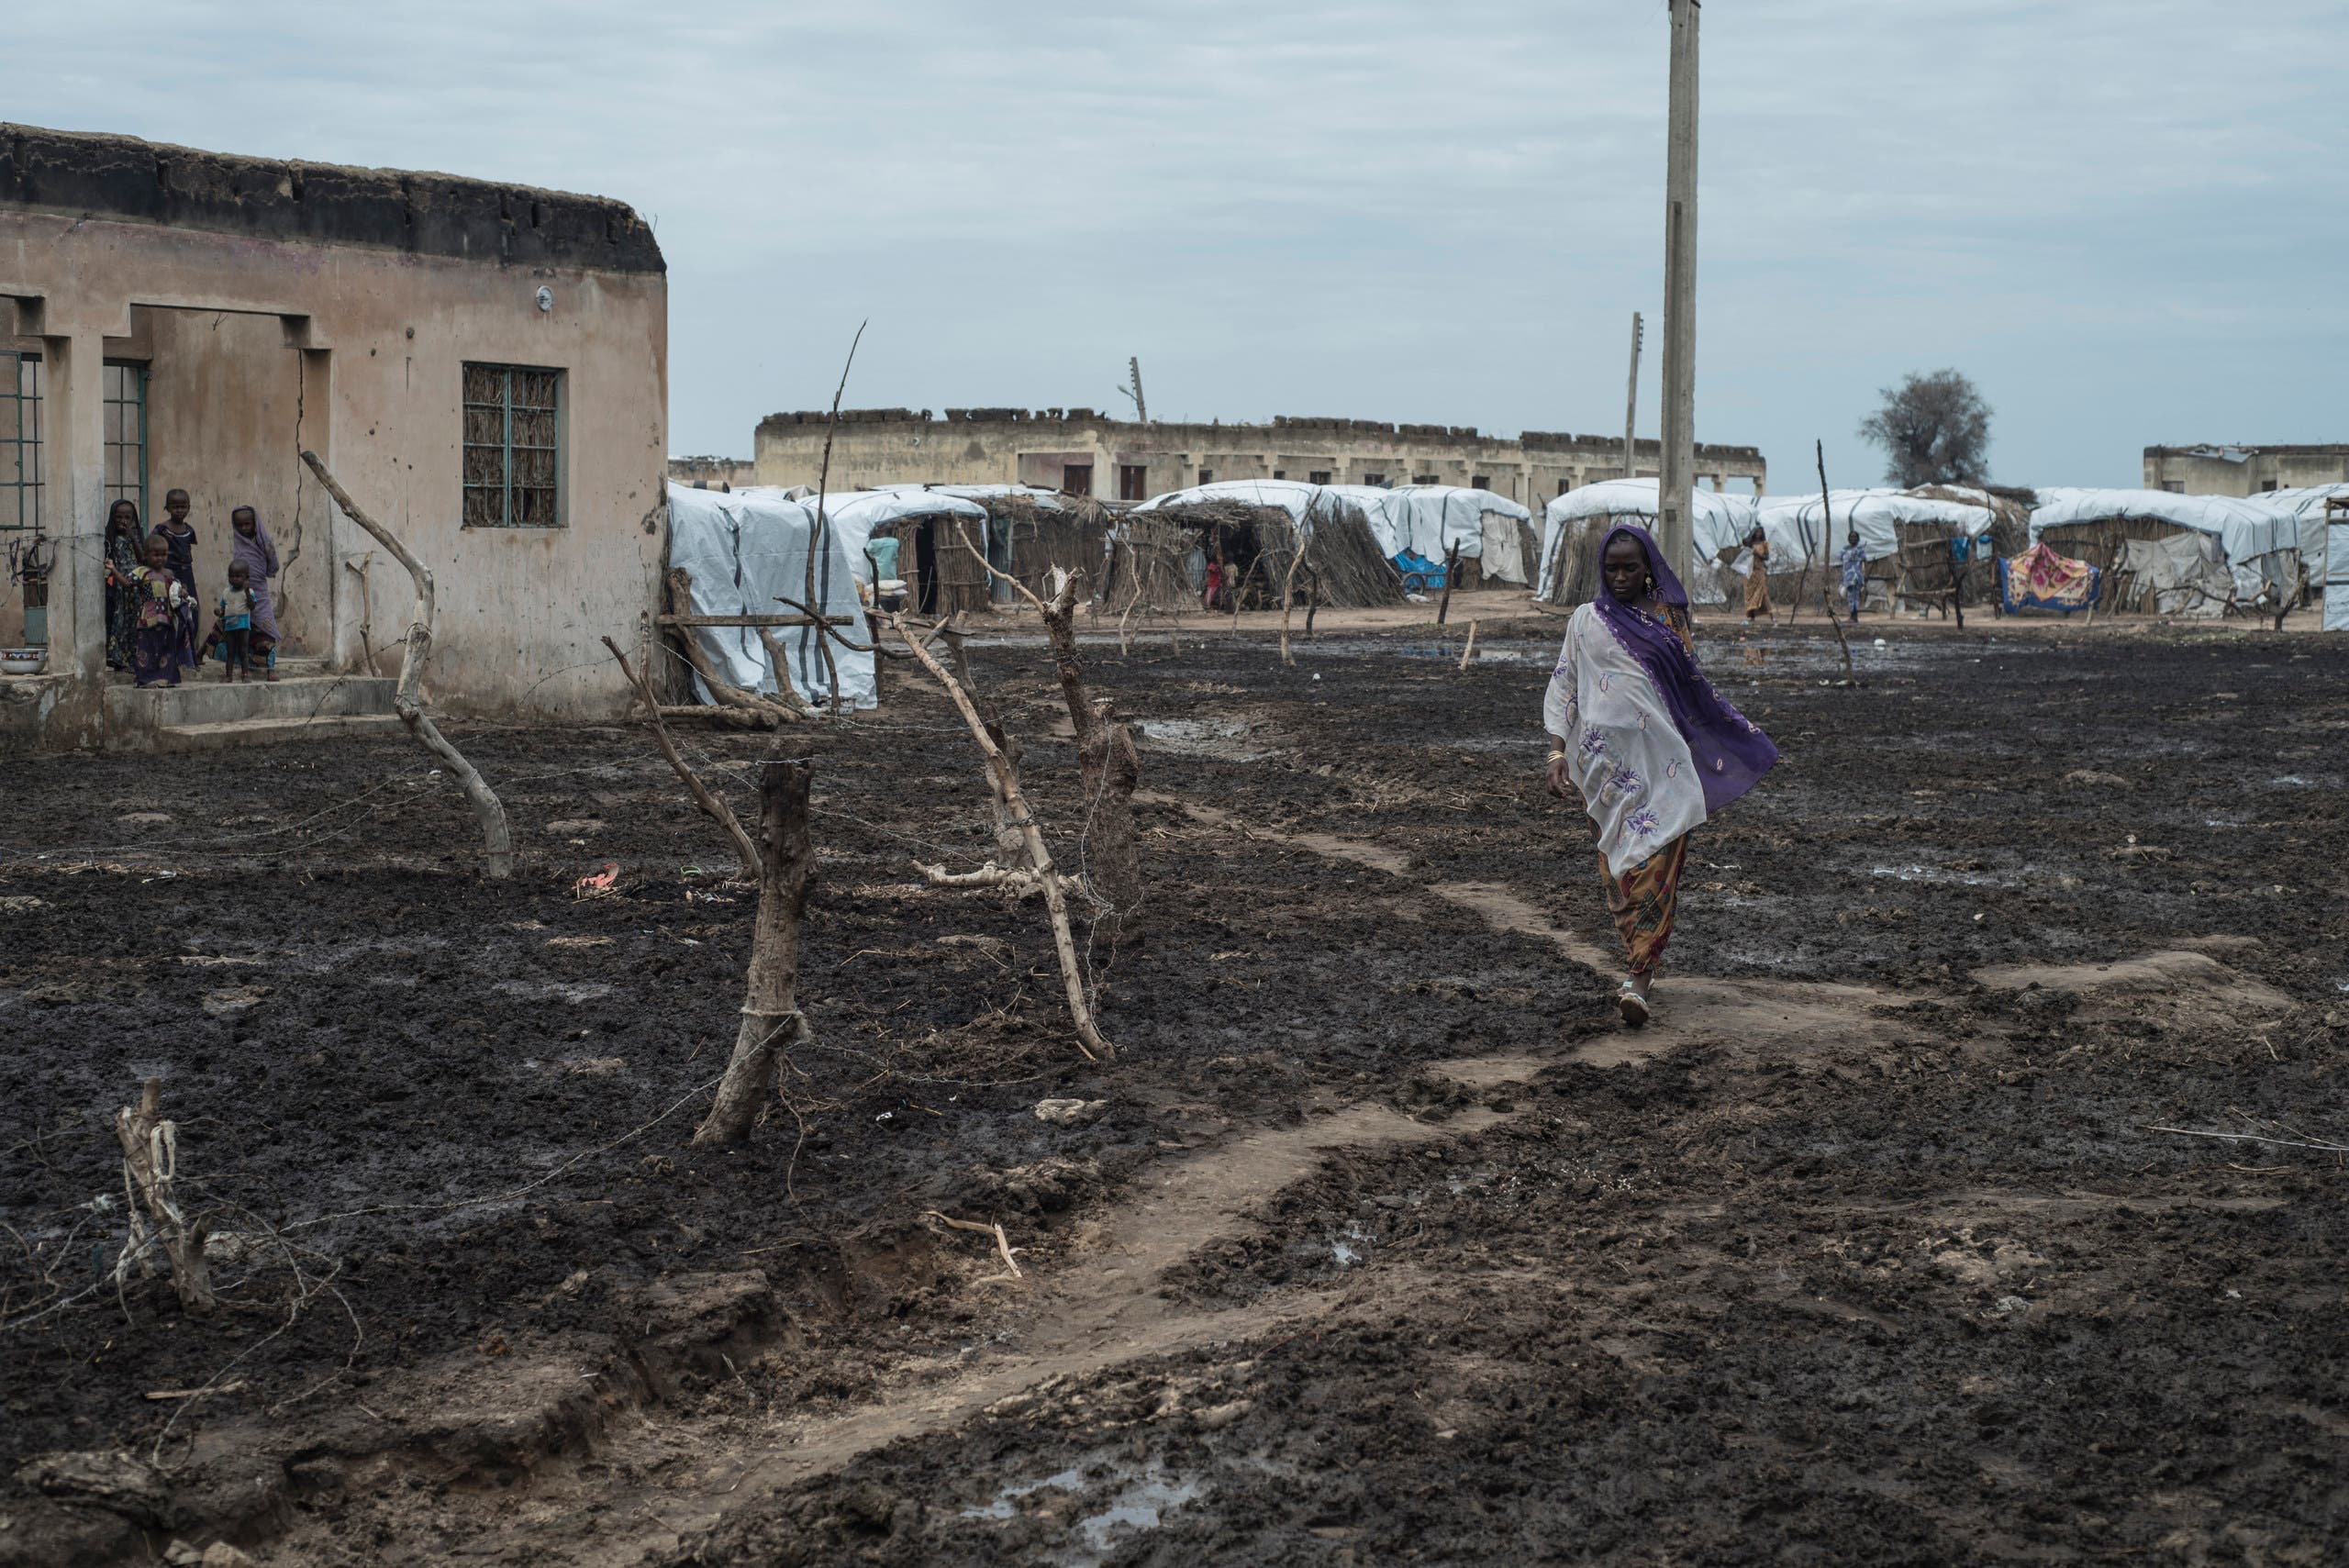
(1676,479)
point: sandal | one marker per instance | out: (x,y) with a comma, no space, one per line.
(1631,1004)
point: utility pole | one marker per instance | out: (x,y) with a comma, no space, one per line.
(1141,409)
(1631,397)
(1677,478)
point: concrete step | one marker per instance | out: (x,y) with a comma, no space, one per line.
(241,732)
(207,699)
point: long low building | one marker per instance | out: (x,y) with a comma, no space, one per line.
(2226,470)
(1080,451)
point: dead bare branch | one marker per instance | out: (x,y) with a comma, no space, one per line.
(407,695)
(716,809)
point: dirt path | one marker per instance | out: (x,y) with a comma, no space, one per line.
(1876,1245)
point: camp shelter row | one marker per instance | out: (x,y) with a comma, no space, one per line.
(2156,550)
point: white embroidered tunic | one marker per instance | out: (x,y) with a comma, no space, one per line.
(1637,778)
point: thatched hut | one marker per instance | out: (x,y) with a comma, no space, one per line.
(1031,529)
(2171,554)
(1255,528)
(1574,523)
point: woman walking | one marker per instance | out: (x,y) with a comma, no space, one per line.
(125,542)
(1641,737)
(1757,577)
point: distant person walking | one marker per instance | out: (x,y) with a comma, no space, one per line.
(1757,576)
(251,547)
(1641,737)
(1856,574)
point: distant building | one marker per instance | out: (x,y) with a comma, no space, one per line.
(714,472)
(1082,452)
(2243,471)
(483,367)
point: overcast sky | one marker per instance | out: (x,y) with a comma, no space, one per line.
(2127,219)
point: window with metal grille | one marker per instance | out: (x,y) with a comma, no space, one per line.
(20,440)
(513,447)
(126,416)
(1377,481)
(1480,483)
(1423,479)
(1133,482)
(1207,476)
(1318,476)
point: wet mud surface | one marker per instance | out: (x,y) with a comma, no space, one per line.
(1387,1244)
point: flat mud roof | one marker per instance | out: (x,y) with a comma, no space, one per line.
(125,178)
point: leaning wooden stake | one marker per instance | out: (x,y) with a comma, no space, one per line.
(1288,596)
(745,850)
(407,696)
(1827,510)
(771,1022)
(1470,651)
(1110,768)
(1108,763)
(1005,780)
(150,1162)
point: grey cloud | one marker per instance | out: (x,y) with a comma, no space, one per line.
(2125,217)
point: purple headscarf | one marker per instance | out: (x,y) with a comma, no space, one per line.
(1730,750)
(259,555)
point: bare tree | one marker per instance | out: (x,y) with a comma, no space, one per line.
(407,694)
(1934,429)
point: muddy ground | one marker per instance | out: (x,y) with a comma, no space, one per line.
(1386,1245)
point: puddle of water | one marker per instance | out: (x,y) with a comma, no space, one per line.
(554,991)
(1219,737)
(1070,1480)
(1139,1506)
(1138,1498)
(1931,873)
(1350,1247)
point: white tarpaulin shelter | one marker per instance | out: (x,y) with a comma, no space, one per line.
(1430,521)
(1720,522)
(742,550)
(2336,574)
(1801,533)
(2305,503)
(856,513)
(2252,542)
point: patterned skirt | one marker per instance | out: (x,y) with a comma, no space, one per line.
(1643,901)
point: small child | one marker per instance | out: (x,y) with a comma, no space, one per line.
(232,632)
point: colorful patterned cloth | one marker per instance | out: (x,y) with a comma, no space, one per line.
(1643,901)
(2041,577)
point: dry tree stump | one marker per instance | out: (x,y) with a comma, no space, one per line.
(771,1022)
(150,1164)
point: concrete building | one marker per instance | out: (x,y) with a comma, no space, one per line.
(483,366)
(2243,471)
(714,472)
(1082,452)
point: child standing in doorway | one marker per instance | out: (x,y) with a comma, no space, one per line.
(233,630)
(179,539)
(251,547)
